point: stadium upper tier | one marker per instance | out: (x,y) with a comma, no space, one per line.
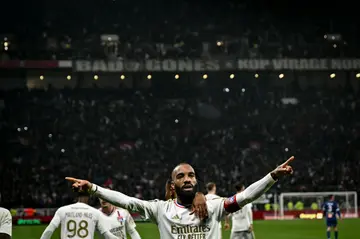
(140,29)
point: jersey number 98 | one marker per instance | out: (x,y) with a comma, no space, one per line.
(80,229)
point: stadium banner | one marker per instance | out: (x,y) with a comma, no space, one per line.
(197,65)
(33,64)
(44,216)
(302,214)
(38,219)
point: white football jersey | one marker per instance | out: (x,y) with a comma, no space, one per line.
(5,221)
(174,221)
(211,197)
(242,219)
(79,221)
(119,222)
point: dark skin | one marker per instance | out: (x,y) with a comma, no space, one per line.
(199,206)
(184,177)
(83,199)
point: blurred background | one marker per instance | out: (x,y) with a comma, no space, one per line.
(119,92)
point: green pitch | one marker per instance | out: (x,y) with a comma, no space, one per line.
(296,229)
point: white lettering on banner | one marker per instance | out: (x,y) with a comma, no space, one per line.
(131,66)
(345,64)
(299,64)
(253,64)
(200,65)
(83,66)
(183,65)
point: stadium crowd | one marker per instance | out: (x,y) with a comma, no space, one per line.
(132,141)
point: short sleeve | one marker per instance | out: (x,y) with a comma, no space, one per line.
(56,220)
(6,223)
(101,222)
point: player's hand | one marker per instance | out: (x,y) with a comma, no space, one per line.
(283,169)
(251,228)
(79,184)
(199,206)
(226,226)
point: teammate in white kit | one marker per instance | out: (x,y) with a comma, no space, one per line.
(78,221)
(5,224)
(173,216)
(119,221)
(211,194)
(242,220)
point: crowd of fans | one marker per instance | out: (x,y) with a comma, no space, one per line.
(132,141)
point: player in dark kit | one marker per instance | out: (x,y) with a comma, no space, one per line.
(331,212)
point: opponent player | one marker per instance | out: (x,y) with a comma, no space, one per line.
(5,224)
(119,221)
(78,221)
(242,220)
(173,216)
(331,210)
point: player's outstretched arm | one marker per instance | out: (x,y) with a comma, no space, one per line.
(146,208)
(258,188)
(55,222)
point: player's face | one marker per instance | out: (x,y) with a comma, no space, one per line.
(104,204)
(184,180)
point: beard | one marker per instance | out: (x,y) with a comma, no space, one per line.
(186,197)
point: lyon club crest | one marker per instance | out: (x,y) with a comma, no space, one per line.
(120,218)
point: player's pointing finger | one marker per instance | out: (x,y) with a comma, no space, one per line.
(288,161)
(71,179)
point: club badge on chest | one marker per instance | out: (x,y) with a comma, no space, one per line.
(120,219)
